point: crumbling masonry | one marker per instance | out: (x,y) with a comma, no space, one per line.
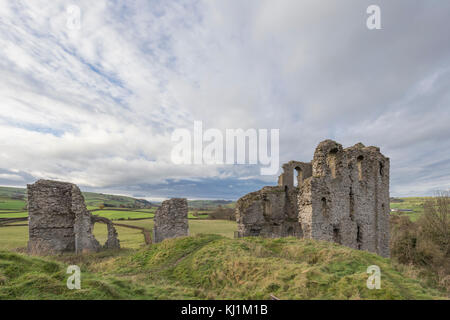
(342,195)
(59,221)
(171,220)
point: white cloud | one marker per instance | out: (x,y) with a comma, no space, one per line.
(97,106)
(12,177)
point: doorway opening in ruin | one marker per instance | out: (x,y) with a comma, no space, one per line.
(299,179)
(359,164)
(254,232)
(358,237)
(290,231)
(331,160)
(100,231)
(110,237)
(337,235)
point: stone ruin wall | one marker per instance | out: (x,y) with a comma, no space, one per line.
(350,197)
(341,196)
(171,220)
(59,221)
(269,212)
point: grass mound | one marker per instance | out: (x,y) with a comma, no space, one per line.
(254,268)
(211,267)
(23,277)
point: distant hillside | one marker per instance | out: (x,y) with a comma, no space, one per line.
(96,199)
(210,204)
(15,199)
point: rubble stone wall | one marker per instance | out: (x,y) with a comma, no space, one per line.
(341,196)
(59,221)
(171,220)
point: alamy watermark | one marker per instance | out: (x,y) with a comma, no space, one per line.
(73,21)
(374,280)
(373,22)
(213,147)
(74,281)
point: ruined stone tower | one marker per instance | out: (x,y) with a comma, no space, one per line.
(59,221)
(171,220)
(342,195)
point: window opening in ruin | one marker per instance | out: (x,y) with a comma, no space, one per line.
(381,169)
(100,228)
(324,208)
(298,181)
(336,235)
(331,159)
(359,164)
(358,237)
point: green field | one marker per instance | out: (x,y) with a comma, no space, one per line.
(9,204)
(114,206)
(412,203)
(211,267)
(123,215)
(13,238)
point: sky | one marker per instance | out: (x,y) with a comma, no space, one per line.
(97,105)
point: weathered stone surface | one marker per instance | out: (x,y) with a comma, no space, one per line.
(171,220)
(341,196)
(59,221)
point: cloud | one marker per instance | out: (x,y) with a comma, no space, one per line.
(97,106)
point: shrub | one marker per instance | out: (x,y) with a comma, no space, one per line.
(222,213)
(426,242)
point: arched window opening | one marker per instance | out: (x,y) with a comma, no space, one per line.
(299,179)
(101,232)
(381,169)
(331,160)
(360,169)
(325,212)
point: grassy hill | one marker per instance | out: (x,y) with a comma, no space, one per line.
(15,199)
(13,203)
(211,267)
(210,204)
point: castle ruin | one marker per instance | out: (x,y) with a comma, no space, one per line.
(171,220)
(342,195)
(59,221)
